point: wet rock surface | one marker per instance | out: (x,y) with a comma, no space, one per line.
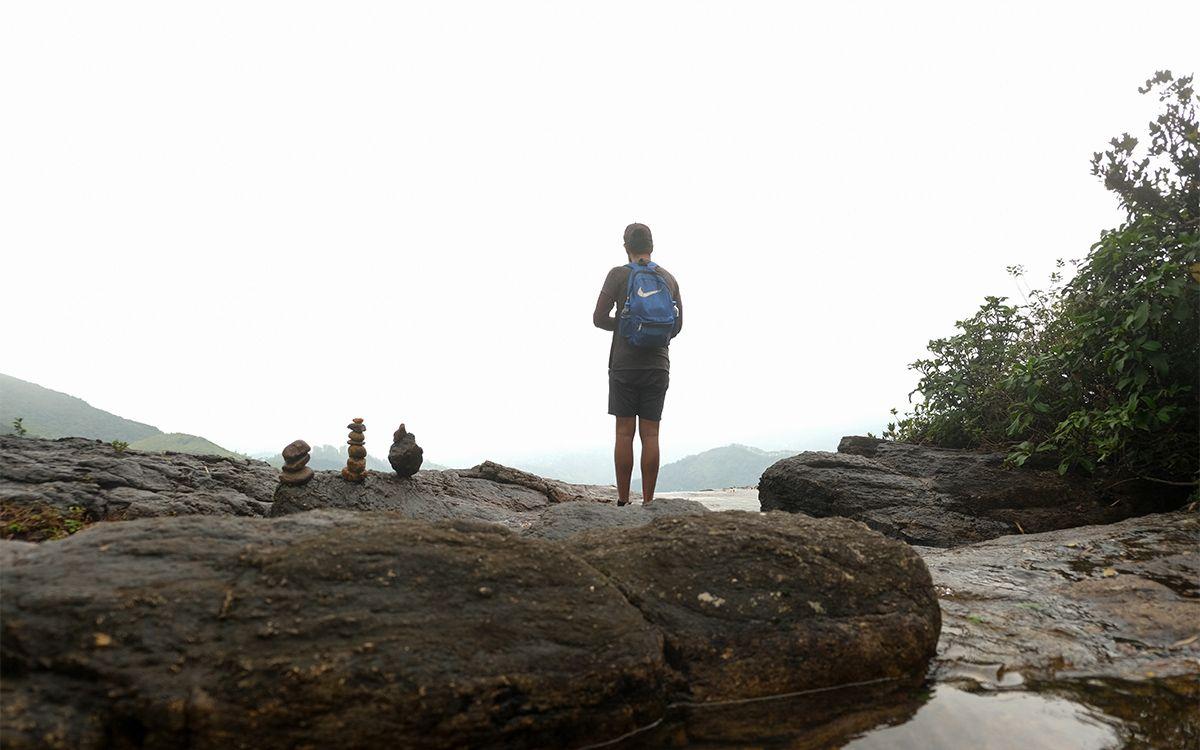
(335,628)
(942,498)
(1121,601)
(808,603)
(112,484)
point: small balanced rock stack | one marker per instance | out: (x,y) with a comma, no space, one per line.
(295,460)
(356,464)
(405,456)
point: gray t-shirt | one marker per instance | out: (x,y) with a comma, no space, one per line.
(622,355)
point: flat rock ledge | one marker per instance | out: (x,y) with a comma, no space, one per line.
(532,506)
(942,498)
(356,630)
(1121,600)
(111,485)
(108,484)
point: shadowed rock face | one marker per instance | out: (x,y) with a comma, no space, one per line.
(109,484)
(942,498)
(339,629)
(807,603)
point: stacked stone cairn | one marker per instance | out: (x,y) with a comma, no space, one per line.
(295,460)
(356,464)
(405,456)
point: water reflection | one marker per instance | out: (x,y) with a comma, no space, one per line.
(955,718)
(1064,715)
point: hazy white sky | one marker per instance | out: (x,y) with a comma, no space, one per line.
(253,221)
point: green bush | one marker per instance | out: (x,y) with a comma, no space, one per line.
(1101,369)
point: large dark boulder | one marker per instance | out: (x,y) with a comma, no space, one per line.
(760,604)
(347,630)
(942,497)
(356,630)
(110,484)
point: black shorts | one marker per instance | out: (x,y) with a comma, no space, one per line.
(638,393)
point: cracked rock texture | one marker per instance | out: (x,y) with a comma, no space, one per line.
(1121,600)
(111,484)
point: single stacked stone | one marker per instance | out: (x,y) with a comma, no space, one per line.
(405,456)
(295,460)
(356,464)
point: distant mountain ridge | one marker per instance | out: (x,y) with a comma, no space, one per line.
(325,458)
(732,465)
(718,468)
(180,442)
(50,414)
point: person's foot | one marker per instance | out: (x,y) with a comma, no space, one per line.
(622,502)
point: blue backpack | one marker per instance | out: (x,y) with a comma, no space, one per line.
(648,319)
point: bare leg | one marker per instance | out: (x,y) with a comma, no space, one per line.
(649,433)
(623,456)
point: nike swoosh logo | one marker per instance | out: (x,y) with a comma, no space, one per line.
(643,293)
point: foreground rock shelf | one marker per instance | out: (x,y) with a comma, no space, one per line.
(349,629)
(1119,601)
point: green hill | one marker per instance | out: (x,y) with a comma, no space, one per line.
(718,468)
(179,442)
(50,414)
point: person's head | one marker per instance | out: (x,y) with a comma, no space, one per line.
(638,242)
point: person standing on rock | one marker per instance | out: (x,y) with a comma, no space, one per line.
(649,314)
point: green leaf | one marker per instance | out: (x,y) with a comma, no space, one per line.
(1138,319)
(1152,346)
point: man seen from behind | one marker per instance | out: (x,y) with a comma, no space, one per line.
(649,313)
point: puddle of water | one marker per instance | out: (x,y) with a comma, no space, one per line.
(1063,715)
(955,718)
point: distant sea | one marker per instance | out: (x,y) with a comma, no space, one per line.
(734,498)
